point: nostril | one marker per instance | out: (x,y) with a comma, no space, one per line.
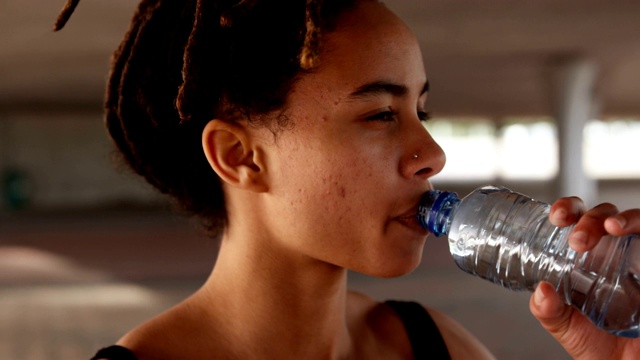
(424,171)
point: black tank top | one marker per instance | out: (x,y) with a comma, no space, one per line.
(425,338)
(115,352)
(424,335)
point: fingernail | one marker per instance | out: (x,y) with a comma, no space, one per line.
(560,215)
(622,222)
(539,297)
(578,239)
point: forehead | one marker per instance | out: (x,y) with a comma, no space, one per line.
(370,43)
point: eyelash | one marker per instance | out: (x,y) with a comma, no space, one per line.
(383,116)
(391,116)
(424,115)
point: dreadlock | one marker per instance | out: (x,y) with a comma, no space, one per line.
(65,14)
(185,62)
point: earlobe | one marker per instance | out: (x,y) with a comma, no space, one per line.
(233,156)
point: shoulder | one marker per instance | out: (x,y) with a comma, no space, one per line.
(377,328)
(390,330)
(146,340)
(169,335)
(460,342)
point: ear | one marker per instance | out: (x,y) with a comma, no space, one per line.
(232,155)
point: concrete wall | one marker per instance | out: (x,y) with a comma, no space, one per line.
(68,160)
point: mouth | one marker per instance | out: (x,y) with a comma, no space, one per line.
(410,220)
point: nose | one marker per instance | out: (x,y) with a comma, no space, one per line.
(423,157)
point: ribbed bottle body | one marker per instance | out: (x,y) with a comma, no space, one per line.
(506,237)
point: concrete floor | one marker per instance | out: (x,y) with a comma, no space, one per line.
(70,284)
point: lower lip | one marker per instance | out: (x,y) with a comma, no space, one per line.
(412,223)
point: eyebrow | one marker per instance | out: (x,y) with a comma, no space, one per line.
(383,87)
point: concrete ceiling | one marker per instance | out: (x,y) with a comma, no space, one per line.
(494,57)
(490,57)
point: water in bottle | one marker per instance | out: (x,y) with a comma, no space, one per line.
(506,237)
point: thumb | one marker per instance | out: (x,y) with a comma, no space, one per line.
(553,314)
(565,323)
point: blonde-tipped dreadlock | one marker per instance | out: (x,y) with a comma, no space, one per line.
(65,14)
(309,56)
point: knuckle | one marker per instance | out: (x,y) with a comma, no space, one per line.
(631,213)
(569,335)
(601,212)
(607,208)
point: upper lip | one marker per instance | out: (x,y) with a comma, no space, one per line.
(412,212)
(409,214)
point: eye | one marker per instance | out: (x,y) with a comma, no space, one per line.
(383,116)
(424,115)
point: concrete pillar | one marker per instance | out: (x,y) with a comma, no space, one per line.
(5,153)
(572,91)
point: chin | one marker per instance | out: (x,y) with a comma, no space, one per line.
(396,272)
(393,267)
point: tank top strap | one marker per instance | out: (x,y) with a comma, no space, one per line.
(115,352)
(424,335)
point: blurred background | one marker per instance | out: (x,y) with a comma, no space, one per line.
(541,96)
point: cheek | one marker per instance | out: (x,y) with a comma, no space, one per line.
(341,172)
(331,176)
(346,190)
(319,187)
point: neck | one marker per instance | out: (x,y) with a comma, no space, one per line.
(278,302)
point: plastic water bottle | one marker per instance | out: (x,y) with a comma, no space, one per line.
(506,237)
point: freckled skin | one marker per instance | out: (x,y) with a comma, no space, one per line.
(357,175)
(338,189)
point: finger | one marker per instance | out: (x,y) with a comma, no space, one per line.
(626,222)
(566,211)
(590,228)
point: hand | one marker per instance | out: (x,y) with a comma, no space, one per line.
(574,331)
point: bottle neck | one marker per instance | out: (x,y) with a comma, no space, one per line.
(436,211)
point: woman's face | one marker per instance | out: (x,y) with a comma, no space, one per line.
(344,182)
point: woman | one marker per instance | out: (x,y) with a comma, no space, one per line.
(295,131)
